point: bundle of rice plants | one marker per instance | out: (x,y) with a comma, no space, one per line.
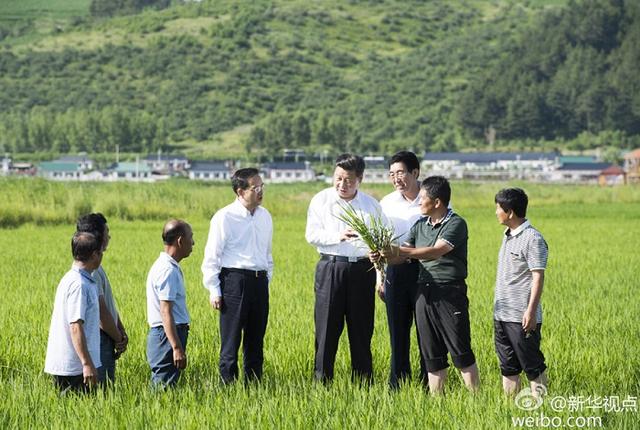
(375,232)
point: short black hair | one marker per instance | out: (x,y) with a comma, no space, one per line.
(92,223)
(173,229)
(351,163)
(84,244)
(408,158)
(513,199)
(240,179)
(437,187)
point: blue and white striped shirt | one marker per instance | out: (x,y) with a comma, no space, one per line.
(523,250)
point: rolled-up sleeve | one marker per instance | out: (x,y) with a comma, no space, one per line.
(211,264)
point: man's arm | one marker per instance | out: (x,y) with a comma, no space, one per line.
(89,372)
(211,263)
(529,322)
(179,355)
(107,324)
(316,232)
(399,254)
(440,248)
(122,346)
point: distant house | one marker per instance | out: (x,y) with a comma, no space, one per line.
(130,171)
(11,168)
(576,159)
(167,163)
(84,163)
(489,165)
(612,175)
(632,166)
(288,172)
(578,172)
(210,171)
(376,170)
(62,170)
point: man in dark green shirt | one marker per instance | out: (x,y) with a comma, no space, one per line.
(439,242)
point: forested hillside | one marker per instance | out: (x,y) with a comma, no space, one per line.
(218,78)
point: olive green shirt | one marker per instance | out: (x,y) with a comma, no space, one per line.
(452,267)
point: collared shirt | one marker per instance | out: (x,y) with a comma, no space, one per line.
(523,250)
(324,228)
(239,240)
(401,212)
(104,289)
(165,282)
(452,266)
(76,300)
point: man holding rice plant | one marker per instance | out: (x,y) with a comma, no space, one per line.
(344,277)
(439,241)
(402,208)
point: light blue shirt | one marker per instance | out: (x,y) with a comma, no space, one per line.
(166,282)
(76,300)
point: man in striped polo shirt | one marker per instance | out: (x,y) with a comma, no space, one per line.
(517,312)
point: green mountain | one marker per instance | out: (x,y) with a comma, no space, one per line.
(220,78)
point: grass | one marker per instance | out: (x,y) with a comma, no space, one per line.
(589,334)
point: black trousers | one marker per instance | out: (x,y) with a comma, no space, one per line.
(442,319)
(344,291)
(244,316)
(400,300)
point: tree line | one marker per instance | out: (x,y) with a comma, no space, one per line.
(430,76)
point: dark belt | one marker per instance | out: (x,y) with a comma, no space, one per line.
(343,259)
(182,326)
(247,272)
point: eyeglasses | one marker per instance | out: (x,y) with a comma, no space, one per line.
(400,174)
(257,188)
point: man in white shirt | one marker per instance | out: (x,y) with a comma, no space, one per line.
(237,268)
(73,348)
(113,336)
(402,207)
(167,312)
(344,277)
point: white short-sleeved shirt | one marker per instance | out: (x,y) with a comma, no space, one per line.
(166,282)
(76,300)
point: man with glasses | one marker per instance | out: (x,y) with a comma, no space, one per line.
(237,268)
(402,207)
(344,277)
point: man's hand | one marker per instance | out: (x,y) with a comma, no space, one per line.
(122,345)
(89,374)
(529,322)
(179,358)
(216,302)
(390,252)
(374,256)
(348,234)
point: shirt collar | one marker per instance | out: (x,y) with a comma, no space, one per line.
(241,210)
(518,230)
(83,272)
(340,200)
(169,259)
(444,220)
(414,202)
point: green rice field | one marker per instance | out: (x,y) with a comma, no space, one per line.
(590,305)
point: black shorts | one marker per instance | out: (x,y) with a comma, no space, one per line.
(442,319)
(517,351)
